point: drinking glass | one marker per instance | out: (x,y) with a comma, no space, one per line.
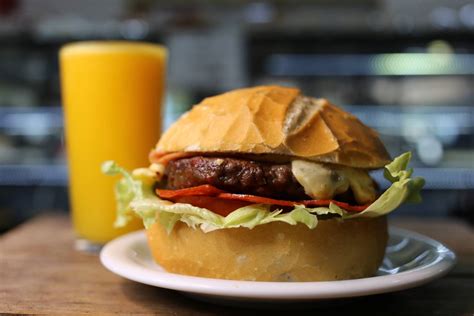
(112,94)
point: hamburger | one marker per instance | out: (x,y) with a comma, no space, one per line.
(266,184)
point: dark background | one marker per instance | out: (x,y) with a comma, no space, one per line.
(405,68)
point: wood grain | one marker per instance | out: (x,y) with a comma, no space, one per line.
(41,273)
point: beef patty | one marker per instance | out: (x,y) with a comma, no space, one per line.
(236,176)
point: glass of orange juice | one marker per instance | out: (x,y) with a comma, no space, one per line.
(112,94)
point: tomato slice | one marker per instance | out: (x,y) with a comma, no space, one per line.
(344,205)
(255,199)
(264,200)
(222,202)
(205,189)
(217,205)
(156,155)
(165,157)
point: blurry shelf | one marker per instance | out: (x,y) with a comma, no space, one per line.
(33,175)
(31,121)
(398,120)
(402,64)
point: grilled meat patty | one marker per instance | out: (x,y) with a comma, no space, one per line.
(235,175)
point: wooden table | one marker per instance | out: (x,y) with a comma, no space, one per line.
(41,273)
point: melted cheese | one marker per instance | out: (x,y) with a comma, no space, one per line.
(318,181)
(361,185)
(323,182)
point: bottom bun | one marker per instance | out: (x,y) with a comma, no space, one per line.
(334,250)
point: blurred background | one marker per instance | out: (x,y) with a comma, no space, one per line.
(404,67)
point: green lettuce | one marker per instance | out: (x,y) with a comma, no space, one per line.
(130,188)
(403,189)
(134,194)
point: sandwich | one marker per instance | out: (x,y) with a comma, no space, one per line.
(266,184)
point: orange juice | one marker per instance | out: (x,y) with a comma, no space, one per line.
(112,94)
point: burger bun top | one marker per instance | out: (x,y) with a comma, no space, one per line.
(274,120)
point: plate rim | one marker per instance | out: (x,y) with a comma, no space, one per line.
(115,258)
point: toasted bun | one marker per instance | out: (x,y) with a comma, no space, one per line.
(279,121)
(335,250)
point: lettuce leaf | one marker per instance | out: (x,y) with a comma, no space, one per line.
(129,188)
(248,216)
(403,189)
(134,194)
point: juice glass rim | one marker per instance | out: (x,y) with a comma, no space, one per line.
(108,47)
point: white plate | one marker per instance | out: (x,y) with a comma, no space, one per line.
(411,259)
